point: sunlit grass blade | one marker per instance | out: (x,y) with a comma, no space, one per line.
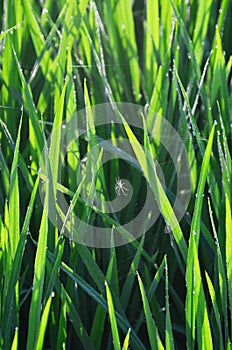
(15,341)
(151,43)
(169,341)
(229,253)
(148,167)
(195,226)
(43,325)
(153,302)
(35,136)
(126,343)
(151,326)
(213,296)
(9,301)
(201,27)
(113,322)
(193,287)
(14,205)
(38,280)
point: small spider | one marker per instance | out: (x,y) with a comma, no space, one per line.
(120,187)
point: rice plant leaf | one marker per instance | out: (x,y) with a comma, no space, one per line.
(195,226)
(15,341)
(8,31)
(148,167)
(169,341)
(113,322)
(221,274)
(38,279)
(15,270)
(213,296)
(127,341)
(128,285)
(77,322)
(43,325)
(151,40)
(228,251)
(201,27)
(196,309)
(55,270)
(155,307)
(37,37)
(192,279)
(151,327)
(22,164)
(36,137)
(124,20)
(62,332)
(14,207)
(97,329)
(55,139)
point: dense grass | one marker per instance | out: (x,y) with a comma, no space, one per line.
(172,287)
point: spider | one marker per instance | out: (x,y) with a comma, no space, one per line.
(120,187)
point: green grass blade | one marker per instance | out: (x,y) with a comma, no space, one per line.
(38,280)
(14,207)
(43,325)
(195,226)
(62,332)
(169,341)
(229,252)
(15,270)
(213,296)
(151,327)
(127,341)
(193,287)
(113,322)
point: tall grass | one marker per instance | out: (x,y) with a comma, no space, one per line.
(172,287)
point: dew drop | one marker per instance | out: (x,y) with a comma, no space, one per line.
(44,11)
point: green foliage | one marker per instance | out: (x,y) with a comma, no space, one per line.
(165,290)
